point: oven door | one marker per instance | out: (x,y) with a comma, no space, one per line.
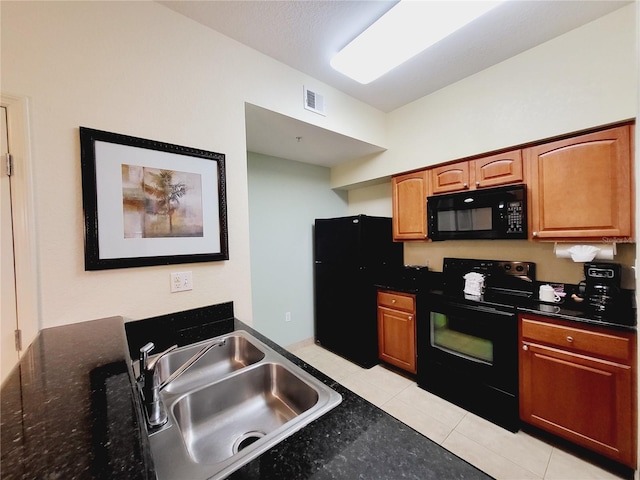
(469,340)
(467,354)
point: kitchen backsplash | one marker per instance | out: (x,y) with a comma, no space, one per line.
(548,266)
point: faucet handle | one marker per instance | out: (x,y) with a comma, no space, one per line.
(144,355)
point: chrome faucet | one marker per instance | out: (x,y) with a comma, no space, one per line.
(149,380)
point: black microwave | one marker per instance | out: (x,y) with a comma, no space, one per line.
(492,213)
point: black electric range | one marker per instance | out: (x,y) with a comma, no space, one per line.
(468,344)
(513,285)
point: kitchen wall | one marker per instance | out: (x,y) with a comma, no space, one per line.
(140,69)
(285,198)
(548,266)
(585,78)
(372,200)
(582,79)
(143,70)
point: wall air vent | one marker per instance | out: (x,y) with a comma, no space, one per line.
(314,101)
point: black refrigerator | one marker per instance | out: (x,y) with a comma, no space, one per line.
(352,255)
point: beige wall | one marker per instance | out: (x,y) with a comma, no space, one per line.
(583,79)
(548,267)
(140,69)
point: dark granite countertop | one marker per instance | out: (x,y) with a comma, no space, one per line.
(68,411)
(408,287)
(569,311)
(408,279)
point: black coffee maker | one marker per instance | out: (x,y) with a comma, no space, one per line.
(602,286)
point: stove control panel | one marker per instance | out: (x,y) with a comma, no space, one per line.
(522,269)
(501,276)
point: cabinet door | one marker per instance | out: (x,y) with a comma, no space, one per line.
(409,198)
(397,338)
(581,187)
(450,178)
(583,399)
(499,169)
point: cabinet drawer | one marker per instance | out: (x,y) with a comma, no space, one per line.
(395,300)
(581,340)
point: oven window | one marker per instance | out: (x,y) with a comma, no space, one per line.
(467,220)
(460,337)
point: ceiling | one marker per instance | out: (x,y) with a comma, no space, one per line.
(305,34)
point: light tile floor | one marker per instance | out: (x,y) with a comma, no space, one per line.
(498,452)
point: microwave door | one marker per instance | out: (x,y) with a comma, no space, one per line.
(464,220)
(447,221)
(482,219)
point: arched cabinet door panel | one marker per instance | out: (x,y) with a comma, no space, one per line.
(409,199)
(581,187)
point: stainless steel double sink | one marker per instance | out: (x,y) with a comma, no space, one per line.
(236,402)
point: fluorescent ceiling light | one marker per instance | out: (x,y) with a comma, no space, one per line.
(404,31)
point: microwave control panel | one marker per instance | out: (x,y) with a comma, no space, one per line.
(515,217)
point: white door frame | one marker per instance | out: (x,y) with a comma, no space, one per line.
(24,231)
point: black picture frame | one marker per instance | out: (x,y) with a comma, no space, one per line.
(130,223)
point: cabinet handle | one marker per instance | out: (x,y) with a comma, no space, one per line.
(535,234)
(465,185)
(410,317)
(393,300)
(525,347)
(477,184)
(569,339)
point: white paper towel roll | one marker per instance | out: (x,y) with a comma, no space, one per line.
(585,252)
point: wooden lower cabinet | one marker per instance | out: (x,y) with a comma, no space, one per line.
(397,329)
(578,382)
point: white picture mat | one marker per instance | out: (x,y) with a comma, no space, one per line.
(111,242)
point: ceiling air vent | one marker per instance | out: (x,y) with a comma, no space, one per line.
(314,101)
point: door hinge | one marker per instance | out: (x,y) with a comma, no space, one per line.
(18,338)
(9,163)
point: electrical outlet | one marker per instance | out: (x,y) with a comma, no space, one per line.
(181,281)
(287,316)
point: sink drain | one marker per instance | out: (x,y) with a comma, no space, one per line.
(247,439)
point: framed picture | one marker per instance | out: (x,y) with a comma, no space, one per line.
(150,203)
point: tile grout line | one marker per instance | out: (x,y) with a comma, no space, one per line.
(357,374)
(508,459)
(546,468)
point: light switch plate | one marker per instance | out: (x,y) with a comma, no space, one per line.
(181,281)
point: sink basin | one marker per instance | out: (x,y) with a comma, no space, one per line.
(242,400)
(222,419)
(237,352)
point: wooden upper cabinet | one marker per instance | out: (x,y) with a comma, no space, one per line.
(490,171)
(450,178)
(581,187)
(409,198)
(498,169)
